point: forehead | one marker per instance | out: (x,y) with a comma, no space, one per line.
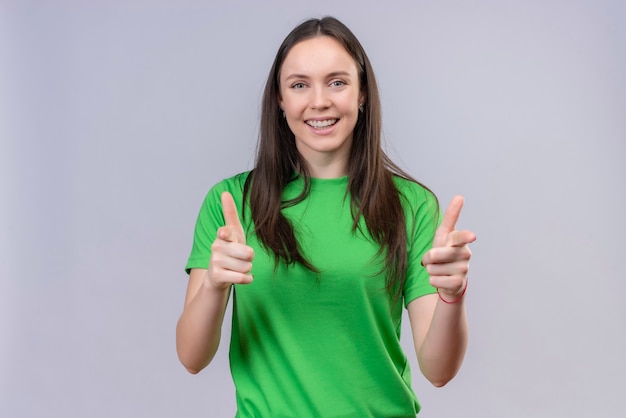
(318,56)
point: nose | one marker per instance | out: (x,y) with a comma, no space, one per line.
(320,99)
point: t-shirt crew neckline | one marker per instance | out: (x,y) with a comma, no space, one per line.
(317,182)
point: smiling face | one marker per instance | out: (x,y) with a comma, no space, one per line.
(320,95)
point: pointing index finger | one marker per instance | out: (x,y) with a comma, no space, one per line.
(451,216)
(449,221)
(231,217)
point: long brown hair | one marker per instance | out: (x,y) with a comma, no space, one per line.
(373,194)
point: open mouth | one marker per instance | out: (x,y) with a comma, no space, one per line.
(321,124)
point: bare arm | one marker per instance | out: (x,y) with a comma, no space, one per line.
(440,330)
(440,335)
(198,331)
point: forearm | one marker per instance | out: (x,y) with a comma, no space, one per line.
(198,331)
(445,343)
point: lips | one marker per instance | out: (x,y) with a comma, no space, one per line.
(321,124)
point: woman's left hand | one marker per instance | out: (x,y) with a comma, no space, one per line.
(447,262)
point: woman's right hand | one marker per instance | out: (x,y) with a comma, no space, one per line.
(198,331)
(231,259)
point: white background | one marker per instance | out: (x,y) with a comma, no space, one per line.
(117,116)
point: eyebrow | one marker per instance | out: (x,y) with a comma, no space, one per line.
(330,75)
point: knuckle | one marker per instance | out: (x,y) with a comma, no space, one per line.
(216,257)
(216,246)
(435,281)
(429,256)
(242,278)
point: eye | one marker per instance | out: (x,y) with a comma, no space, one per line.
(338,83)
(297,86)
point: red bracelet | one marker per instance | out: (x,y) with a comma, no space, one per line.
(457,299)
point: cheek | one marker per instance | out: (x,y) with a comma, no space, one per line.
(351,104)
(295,108)
(294,123)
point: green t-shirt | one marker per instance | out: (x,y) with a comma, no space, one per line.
(327,344)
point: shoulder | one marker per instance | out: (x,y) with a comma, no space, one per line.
(234,185)
(414,196)
(421,210)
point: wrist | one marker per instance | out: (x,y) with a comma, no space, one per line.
(212,287)
(452,299)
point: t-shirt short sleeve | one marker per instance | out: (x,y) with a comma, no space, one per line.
(422,218)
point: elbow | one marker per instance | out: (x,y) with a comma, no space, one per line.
(192,358)
(191,363)
(439,373)
(441,378)
(192,367)
(193,370)
(440,383)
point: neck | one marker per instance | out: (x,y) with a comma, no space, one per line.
(326,164)
(325,167)
(332,170)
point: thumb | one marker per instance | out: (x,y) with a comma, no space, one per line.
(231,217)
(448,225)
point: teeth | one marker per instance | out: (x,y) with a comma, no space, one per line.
(321,123)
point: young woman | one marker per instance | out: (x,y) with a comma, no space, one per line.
(332,241)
